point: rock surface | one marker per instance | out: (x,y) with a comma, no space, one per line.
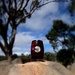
(39,68)
(72,68)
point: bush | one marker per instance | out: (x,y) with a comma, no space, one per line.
(2,58)
(65,56)
(24,58)
(49,56)
(14,56)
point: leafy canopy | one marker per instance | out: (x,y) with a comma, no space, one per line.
(62,35)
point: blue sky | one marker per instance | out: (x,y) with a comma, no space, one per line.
(38,26)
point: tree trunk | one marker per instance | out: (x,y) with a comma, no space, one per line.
(7,51)
(10,46)
(9,58)
(8,54)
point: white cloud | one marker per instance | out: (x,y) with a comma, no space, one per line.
(23,39)
(42,18)
(38,21)
(23,42)
(19,50)
(49,8)
(67,19)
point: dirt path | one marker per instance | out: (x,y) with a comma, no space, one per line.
(39,68)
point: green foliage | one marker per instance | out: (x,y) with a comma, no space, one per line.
(61,34)
(36,3)
(25,58)
(66,57)
(49,56)
(14,56)
(2,58)
(60,27)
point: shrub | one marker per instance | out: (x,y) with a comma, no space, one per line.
(66,57)
(14,56)
(24,58)
(49,56)
(2,58)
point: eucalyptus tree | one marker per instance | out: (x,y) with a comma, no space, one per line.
(12,14)
(62,35)
(63,30)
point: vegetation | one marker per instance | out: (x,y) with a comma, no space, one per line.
(25,58)
(2,58)
(66,57)
(49,56)
(14,56)
(63,35)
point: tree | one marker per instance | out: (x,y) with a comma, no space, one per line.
(61,35)
(65,57)
(12,14)
(62,30)
(25,58)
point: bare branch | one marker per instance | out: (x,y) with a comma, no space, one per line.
(46,3)
(4,6)
(15,4)
(26,4)
(21,4)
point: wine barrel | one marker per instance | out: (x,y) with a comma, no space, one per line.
(37,49)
